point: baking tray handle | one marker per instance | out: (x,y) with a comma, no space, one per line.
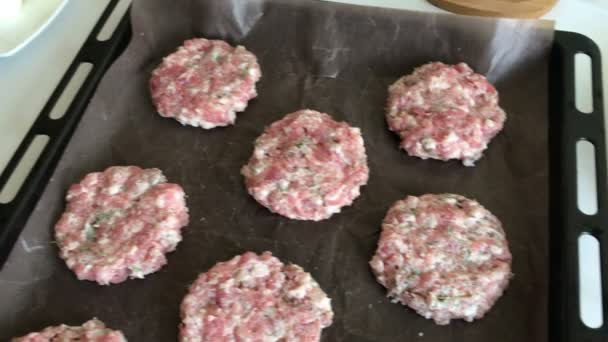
(100,54)
(568,222)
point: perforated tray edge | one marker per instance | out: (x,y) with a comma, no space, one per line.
(567,221)
(101,54)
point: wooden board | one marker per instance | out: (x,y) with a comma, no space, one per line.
(497,8)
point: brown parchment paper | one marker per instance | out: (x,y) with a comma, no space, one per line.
(334,58)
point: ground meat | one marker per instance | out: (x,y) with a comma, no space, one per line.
(91,331)
(444,255)
(204,83)
(444,112)
(254,298)
(120,223)
(307,166)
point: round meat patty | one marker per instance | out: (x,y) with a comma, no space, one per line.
(307,166)
(91,331)
(204,83)
(120,223)
(255,298)
(444,256)
(444,112)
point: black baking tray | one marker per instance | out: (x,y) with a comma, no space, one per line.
(567,126)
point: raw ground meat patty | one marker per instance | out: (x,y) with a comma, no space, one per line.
(91,331)
(204,83)
(255,298)
(444,256)
(444,112)
(307,166)
(120,223)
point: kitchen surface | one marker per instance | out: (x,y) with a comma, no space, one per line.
(31,74)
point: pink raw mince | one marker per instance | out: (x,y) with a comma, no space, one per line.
(444,256)
(120,223)
(307,166)
(444,112)
(254,298)
(91,331)
(204,83)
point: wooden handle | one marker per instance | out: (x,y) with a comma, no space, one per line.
(497,8)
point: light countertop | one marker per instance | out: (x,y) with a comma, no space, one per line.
(29,77)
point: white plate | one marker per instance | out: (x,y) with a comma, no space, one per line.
(34,17)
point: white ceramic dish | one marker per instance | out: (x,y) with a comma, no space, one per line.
(18,31)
